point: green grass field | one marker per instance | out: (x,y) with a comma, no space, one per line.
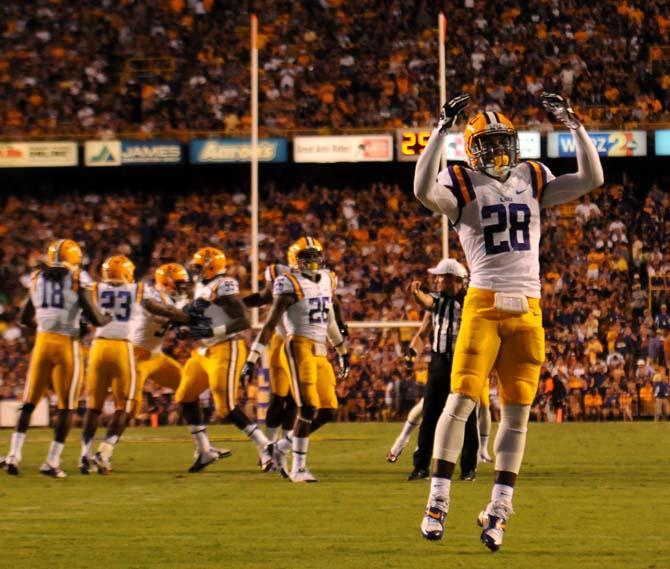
(590,495)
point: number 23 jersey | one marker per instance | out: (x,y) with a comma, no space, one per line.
(499,225)
(122,301)
(308,316)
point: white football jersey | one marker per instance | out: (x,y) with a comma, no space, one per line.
(308,316)
(123,301)
(56,303)
(216,288)
(272,272)
(499,225)
(146,329)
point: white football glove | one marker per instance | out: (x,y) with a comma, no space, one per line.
(561,109)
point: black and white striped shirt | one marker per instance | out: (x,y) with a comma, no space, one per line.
(446,318)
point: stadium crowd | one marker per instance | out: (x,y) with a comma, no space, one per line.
(605,273)
(158,66)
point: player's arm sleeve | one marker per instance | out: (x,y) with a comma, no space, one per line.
(427,188)
(589,175)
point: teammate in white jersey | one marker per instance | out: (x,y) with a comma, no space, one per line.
(58,295)
(216,364)
(495,208)
(303,302)
(111,361)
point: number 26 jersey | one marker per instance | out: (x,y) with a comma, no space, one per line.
(499,225)
(308,316)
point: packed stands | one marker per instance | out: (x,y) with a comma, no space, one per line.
(177,66)
(605,271)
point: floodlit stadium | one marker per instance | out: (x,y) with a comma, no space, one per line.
(332,282)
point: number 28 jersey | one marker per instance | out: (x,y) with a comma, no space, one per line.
(499,225)
(308,316)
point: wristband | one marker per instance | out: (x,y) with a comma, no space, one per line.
(219,330)
(256,350)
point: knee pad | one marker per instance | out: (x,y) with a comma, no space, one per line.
(307,412)
(450,430)
(510,441)
(27,408)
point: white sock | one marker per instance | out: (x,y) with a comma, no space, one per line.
(287,433)
(300,446)
(200,438)
(502,493)
(256,435)
(112,439)
(55,450)
(440,489)
(86,448)
(407,429)
(16,448)
(284,444)
(484,444)
(271,433)
(106,450)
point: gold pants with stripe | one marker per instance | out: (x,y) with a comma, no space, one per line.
(280,382)
(219,369)
(111,363)
(489,339)
(312,377)
(485,396)
(56,361)
(158,367)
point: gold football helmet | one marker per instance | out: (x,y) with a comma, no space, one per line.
(118,269)
(64,253)
(171,277)
(209,262)
(306,255)
(492,144)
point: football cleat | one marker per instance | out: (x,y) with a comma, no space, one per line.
(265,458)
(494,521)
(396,450)
(204,459)
(469,476)
(432,525)
(86,465)
(52,471)
(392,457)
(302,475)
(12,465)
(223,452)
(103,464)
(2,461)
(279,459)
(418,474)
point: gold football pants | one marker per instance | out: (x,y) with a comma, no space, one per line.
(489,339)
(56,361)
(312,377)
(158,367)
(279,373)
(219,369)
(111,363)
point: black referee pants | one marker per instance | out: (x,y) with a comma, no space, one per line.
(434,400)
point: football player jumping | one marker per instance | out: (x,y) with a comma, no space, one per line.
(495,208)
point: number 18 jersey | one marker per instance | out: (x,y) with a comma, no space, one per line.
(499,225)
(56,302)
(308,316)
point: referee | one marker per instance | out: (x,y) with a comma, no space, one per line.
(445,315)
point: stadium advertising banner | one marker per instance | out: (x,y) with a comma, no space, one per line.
(358,148)
(102,153)
(410,142)
(223,150)
(612,144)
(662,142)
(38,154)
(150,152)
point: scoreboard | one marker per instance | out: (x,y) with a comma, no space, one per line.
(410,143)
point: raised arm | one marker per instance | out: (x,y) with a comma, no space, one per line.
(426,189)
(166,311)
(589,175)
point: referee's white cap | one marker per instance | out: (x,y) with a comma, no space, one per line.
(449,267)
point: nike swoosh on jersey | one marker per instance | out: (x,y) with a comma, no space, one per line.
(521,192)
